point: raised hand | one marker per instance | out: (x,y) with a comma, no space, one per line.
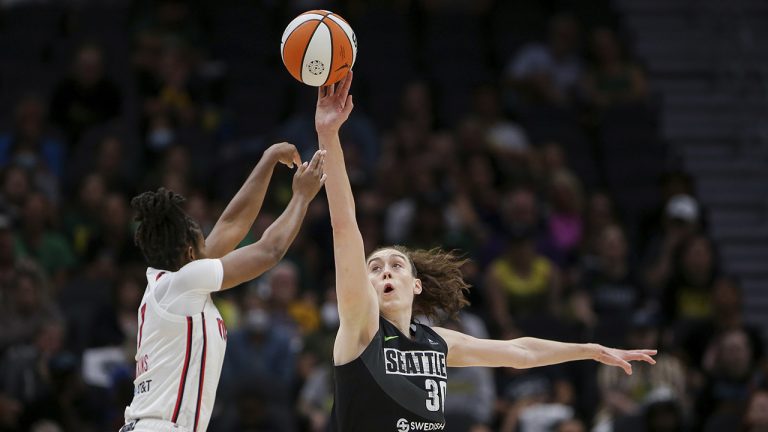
(309,178)
(621,358)
(334,103)
(285,153)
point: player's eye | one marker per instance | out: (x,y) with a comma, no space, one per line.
(375,268)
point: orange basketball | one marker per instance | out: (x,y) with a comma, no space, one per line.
(318,48)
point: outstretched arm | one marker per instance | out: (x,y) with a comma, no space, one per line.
(527,352)
(251,261)
(236,220)
(357,302)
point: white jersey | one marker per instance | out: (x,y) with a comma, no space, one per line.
(180,346)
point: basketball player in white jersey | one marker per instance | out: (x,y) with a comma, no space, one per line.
(181,338)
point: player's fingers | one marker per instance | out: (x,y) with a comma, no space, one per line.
(642,357)
(316,160)
(296,157)
(302,168)
(346,84)
(323,178)
(348,105)
(329,90)
(620,362)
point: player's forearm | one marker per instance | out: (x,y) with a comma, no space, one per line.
(239,215)
(246,204)
(542,352)
(341,202)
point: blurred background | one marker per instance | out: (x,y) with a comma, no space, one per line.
(602,162)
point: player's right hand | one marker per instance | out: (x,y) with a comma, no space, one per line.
(310,177)
(334,104)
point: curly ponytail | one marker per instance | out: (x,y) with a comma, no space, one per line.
(165,230)
(443,289)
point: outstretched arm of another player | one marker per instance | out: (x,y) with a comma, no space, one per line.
(527,352)
(358,306)
(248,262)
(237,218)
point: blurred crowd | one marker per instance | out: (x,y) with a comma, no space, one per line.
(524,138)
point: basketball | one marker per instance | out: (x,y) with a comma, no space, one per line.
(318,48)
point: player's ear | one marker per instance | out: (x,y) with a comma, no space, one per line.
(191,253)
(417,286)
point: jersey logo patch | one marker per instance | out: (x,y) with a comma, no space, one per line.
(389,338)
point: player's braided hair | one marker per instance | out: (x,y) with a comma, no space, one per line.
(443,289)
(165,230)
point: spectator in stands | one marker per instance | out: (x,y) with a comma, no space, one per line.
(609,289)
(471,391)
(81,218)
(729,366)
(288,306)
(28,305)
(33,145)
(627,395)
(316,395)
(727,314)
(37,375)
(565,222)
(600,214)
(549,73)
(681,220)
(688,294)
(109,163)
(261,347)
(16,187)
(612,79)
(116,324)
(38,240)
(671,183)
(756,417)
(86,97)
(7,259)
(521,283)
(571,425)
(534,400)
(173,19)
(115,240)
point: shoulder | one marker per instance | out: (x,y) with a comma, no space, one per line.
(202,265)
(440,335)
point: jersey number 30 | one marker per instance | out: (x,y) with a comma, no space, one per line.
(436,395)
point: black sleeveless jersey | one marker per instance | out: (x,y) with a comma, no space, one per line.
(396,385)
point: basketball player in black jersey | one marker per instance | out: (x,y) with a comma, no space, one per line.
(391,372)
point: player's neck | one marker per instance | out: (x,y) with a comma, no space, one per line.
(400,320)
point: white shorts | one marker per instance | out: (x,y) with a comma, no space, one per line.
(152,425)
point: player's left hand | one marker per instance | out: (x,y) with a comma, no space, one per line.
(621,358)
(334,104)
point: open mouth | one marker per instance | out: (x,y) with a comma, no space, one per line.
(388,288)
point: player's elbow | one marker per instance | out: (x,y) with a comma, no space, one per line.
(519,356)
(271,251)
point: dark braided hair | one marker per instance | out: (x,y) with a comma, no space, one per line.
(165,230)
(443,289)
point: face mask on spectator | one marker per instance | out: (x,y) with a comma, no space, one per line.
(160,138)
(257,321)
(329,313)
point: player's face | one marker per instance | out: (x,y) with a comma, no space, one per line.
(391,275)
